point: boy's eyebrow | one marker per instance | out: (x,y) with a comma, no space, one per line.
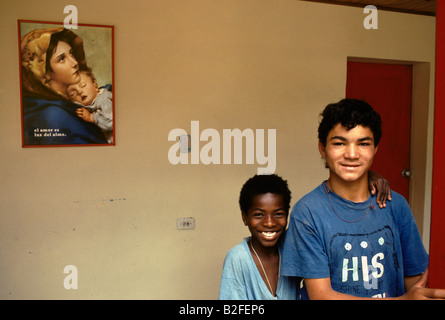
(366,139)
(338,137)
(344,139)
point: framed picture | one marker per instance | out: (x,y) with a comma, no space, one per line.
(67,84)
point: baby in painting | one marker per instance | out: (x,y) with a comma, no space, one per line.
(97,103)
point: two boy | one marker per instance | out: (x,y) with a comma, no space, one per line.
(338,240)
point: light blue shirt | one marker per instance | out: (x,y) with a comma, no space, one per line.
(241,279)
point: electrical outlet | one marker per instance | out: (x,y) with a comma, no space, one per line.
(184,143)
(185,223)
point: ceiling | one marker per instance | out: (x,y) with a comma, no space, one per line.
(424,7)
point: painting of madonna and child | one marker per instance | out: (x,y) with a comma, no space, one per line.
(66,84)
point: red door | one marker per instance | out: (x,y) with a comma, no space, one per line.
(437,244)
(387,88)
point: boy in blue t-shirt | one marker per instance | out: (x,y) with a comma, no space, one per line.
(339,240)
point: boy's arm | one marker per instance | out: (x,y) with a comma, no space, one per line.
(418,280)
(416,288)
(321,289)
(378,184)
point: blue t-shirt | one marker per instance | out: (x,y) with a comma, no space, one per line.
(241,279)
(366,251)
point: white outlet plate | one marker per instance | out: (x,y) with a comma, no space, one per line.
(184,144)
(185,223)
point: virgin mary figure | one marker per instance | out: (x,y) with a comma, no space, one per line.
(51,60)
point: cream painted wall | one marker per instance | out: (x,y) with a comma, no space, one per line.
(111,211)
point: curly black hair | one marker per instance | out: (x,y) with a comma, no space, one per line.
(261,184)
(350,113)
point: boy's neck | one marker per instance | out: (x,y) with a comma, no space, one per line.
(264,251)
(355,191)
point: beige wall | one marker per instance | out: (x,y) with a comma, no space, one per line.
(111,211)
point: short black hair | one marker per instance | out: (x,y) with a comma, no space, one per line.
(350,113)
(262,184)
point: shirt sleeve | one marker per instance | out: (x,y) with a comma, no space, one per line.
(232,285)
(415,257)
(304,253)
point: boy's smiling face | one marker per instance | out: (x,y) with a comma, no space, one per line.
(349,152)
(266,219)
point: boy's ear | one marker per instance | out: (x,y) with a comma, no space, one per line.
(322,149)
(244,216)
